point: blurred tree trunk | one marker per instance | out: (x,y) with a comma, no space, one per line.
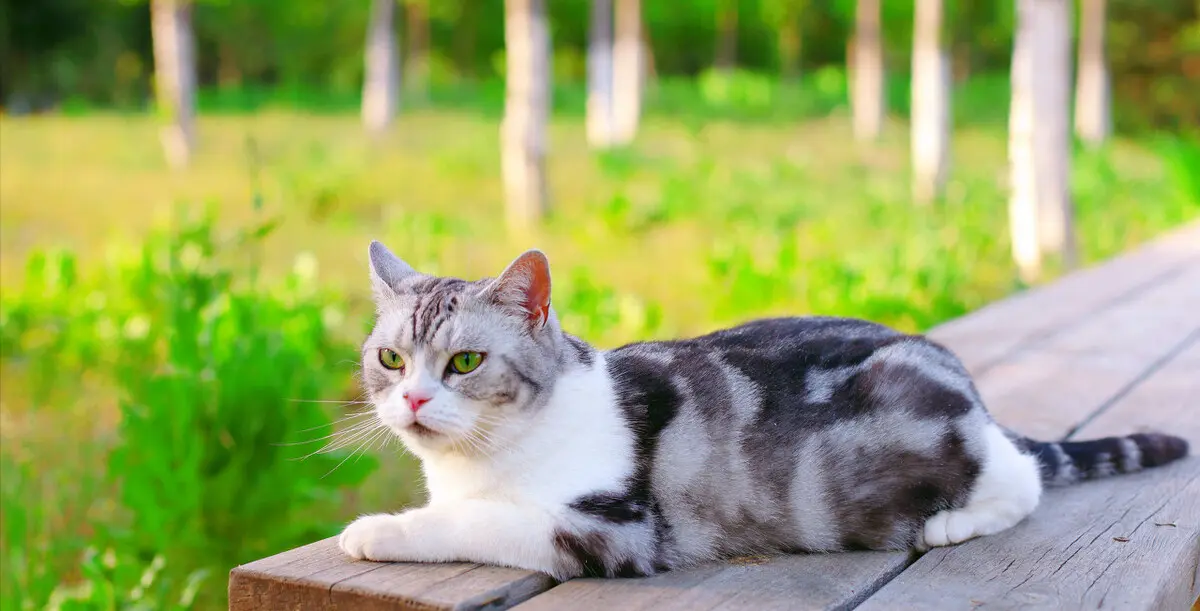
(1093,110)
(784,16)
(867,95)
(600,75)
(381,81)
(229,73)
(930,139)
(175,76)
(727,34)
(464,38)
(628,71)
(526,110)
(1040,210)
(416,68)
(788,39)
(650,72)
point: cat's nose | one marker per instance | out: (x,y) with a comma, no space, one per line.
(417,398)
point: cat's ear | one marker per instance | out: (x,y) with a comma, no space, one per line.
(387,270)
(524,287)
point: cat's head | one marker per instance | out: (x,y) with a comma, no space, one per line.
(458,366)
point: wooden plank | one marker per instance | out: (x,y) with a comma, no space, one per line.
(796,582)
(1129,542)
(1047,392)
(1022,322)
(439,586)
(320,576)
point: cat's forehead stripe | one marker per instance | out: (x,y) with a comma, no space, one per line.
(433,307)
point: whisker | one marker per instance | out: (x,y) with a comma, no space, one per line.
(343,417)
(335,467)
(355,435)
(381,429)
(334,424)
(352,402)
(367,447)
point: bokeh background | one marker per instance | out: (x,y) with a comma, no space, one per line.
(181,299)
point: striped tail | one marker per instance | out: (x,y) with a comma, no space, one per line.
(1067,462)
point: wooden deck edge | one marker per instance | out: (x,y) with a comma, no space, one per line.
(520,591)
(318,576)
(252,590)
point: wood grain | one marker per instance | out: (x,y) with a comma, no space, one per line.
(1129,542)
(320,576)
(1045,392)
(799,582)
(1023,322)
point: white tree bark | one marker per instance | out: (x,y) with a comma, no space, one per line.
(381,81)
(1093,110)
(1040,209)
(526,110)
(600,75)
(628,71)
(1052,121)
(175,76)
(930,139)
(867,90)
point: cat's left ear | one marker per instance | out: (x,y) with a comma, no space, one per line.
(524,287)
(387,270)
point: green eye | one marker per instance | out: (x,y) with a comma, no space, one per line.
(465,362)
(388,358)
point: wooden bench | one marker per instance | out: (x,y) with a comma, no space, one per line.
(1107,350)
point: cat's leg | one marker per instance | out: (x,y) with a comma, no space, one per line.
(490,532)
(1008,490)
(563,545)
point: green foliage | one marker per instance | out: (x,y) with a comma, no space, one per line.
(217,378)
(114,581)
(72,54)
(591,310)
(1182,160)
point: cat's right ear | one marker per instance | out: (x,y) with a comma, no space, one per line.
(387,270)
(524,287)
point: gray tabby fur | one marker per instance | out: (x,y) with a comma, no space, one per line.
(779,435)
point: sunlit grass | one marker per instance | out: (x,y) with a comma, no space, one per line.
(645,221)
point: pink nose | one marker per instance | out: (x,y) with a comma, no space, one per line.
(416,399)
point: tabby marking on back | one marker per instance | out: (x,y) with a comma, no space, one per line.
(792,434)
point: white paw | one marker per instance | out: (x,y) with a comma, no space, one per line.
(934,534)
(375,537)
(948,528)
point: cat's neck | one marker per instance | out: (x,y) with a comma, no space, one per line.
(579,442)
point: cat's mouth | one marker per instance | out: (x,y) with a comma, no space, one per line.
(420,430)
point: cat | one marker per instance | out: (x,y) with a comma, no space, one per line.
(817,434)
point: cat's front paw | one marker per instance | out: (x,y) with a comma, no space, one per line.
(376,537)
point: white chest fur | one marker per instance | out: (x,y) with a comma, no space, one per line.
(579,444)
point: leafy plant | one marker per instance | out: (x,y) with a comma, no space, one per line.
(116,581)
(218,378)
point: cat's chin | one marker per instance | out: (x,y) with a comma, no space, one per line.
(424,437)
(420,431)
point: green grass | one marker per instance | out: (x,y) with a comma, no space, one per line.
(710,219)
